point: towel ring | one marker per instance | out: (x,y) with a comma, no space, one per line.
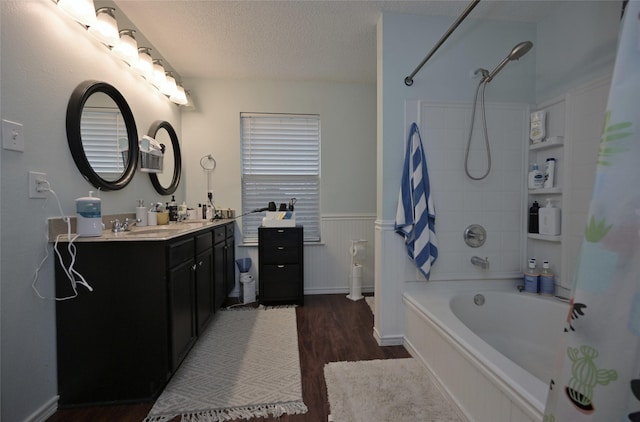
(211,165)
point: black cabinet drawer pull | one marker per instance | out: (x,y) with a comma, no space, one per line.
(280,266)
(280,248)
(280,231)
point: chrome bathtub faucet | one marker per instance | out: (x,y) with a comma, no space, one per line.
(480,262)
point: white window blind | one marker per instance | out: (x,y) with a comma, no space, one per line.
(280,161)
(103,133)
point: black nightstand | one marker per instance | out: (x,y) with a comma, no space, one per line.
(281,271)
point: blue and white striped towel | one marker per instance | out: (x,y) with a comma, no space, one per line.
(415,218)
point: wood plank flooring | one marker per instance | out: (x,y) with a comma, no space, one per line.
(331,328)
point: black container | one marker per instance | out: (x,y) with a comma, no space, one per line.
(533,218)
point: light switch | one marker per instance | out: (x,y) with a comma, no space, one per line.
(12,136)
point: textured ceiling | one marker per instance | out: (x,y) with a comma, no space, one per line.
(292,40)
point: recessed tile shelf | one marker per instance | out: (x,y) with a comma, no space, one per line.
(545,191)
(551,142)
(548,238)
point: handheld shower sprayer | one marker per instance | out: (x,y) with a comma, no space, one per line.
(516,52)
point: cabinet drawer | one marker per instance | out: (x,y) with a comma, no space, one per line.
(280,281)
(280,254)
(279,237)
(219,234)
(180,251)
(203,242)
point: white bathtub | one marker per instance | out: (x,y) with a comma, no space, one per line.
(495,360)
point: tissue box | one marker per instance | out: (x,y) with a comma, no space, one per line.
(279,219)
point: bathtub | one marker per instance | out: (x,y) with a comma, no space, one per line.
(494,360)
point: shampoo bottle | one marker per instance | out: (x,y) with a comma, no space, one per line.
(549,219)
(531,277)
(547,282)
(549,172)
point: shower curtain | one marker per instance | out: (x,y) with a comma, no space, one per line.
(597,377)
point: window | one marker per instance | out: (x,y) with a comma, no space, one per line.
(280,161)
(100,128)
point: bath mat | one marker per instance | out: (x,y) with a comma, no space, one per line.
(387,390)
(246,364)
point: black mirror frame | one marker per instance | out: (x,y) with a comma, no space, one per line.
(177,158)
(74,112)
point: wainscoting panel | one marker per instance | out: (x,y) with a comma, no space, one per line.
(327,265)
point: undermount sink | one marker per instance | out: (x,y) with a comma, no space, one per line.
(152,232)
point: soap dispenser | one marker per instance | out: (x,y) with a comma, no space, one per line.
(549,219)
(535,179)
(141,214)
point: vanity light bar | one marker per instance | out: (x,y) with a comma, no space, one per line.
(102,24)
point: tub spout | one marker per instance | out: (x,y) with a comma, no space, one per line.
(480,262)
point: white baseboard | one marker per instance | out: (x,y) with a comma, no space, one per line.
(396,340)
(45,411)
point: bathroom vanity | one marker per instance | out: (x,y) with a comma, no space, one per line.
(154,291)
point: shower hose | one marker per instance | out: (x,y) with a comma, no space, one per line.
(482,84)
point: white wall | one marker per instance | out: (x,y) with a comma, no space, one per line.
(347,113)
(575,44)
(44,56)
(348,161)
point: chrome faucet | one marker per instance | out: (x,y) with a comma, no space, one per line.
(480,262)
(118,227)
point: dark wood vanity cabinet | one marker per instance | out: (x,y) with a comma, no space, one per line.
(224,263)
(281,272)
(150,300)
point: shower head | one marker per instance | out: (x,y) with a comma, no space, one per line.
(516,52)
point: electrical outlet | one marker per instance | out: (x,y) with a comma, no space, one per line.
(37,188)
(12,136)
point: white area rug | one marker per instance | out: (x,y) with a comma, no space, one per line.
(388,390)
(246,364)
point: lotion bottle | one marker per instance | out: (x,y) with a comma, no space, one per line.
(536,179)
(549,219)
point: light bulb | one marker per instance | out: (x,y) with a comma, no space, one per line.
(144,64)
(82,11)
(180,96)
(105,29)
(158,78)
(169,87)
(127,48)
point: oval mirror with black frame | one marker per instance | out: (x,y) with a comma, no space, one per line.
(102,135)
(166,182)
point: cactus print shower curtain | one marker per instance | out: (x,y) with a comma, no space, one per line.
(598,372)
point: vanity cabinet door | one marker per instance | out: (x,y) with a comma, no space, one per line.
(204,289)
(182,308)
(219,293)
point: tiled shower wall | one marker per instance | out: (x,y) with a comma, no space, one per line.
(495,202)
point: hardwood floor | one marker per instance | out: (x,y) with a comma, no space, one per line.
(331,328)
